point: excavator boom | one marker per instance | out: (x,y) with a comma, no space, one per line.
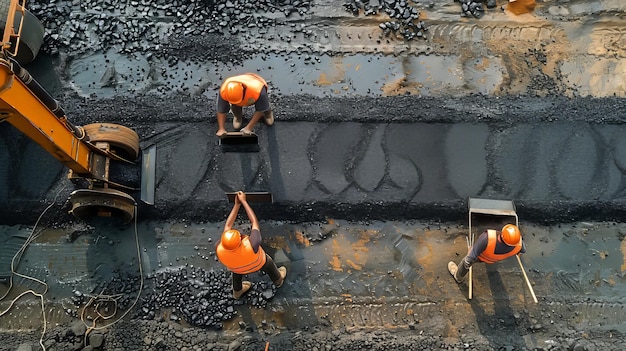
(25,111)
(89,151)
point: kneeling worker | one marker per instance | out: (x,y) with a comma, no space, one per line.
(238,92)
(243,254)
(490,247)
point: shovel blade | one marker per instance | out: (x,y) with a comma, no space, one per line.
(148,174)
(239,142)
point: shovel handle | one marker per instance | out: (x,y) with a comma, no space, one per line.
(469,246)
(530,287)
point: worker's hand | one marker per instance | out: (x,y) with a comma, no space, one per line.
(220,132)
(241,196)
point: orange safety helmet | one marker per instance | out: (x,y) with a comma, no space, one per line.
(231,239)
(511,234)
(233,92)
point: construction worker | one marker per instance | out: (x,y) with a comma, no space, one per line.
(243,254)
(490,247)
(240,91)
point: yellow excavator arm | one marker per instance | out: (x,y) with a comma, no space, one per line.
(30,109)
(25,111)
(88,151)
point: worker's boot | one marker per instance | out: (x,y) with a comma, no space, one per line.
(245,286)
(268,117)
(283,273)
(458,272)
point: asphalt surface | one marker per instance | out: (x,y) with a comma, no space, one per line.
(555,171)
(537,119)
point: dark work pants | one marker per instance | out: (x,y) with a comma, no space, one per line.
(269,267)
(238,111)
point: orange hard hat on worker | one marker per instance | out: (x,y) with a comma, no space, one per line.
(233,92)
(511,234)
(231,239)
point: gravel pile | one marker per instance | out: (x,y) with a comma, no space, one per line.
(475,8)
(192,295)
(147,25)
(197,296)
(405,17)
(471,8)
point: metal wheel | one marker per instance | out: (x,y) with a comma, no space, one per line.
(102,203)
(123,140)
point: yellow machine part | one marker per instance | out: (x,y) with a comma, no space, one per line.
(22,109)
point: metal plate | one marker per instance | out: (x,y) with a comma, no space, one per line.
(253,197)
(239,142)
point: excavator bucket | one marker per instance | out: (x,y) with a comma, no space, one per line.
(148,174)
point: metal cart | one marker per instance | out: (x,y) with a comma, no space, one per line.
(496,213)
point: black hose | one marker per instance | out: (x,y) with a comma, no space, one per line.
(43,96)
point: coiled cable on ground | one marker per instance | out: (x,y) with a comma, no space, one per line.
(97,301)
(34,234)
(101,299)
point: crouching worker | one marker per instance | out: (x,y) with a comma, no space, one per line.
(490,247)
(241,91)
(243,254)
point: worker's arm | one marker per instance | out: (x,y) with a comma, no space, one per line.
(230,221)
(479,246)
(255,233)
(256,117)
(255,239)
(251,216)
(222,109)
(261,105)
(523,247)
(221,121)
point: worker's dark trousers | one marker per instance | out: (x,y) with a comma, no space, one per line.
(461,270)
(238,111)
(269,267)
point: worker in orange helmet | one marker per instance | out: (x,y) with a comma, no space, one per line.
(238,92)
(243,254)
(490,247)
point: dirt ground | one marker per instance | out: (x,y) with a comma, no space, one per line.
(351,286)
(363,275)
